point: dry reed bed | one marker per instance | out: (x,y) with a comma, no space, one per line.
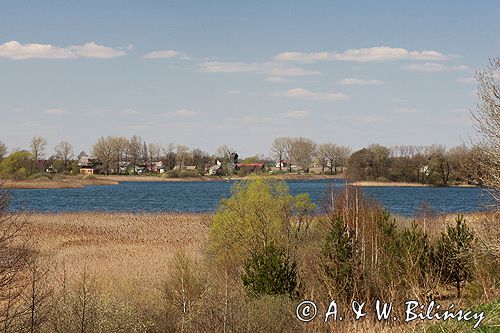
(121,248)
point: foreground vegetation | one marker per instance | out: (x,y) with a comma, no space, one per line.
(243,269)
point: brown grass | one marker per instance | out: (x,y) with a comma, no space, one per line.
(118,247)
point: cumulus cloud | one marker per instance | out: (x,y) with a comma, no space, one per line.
(17,51)
(181,113)
(165,54)
(360,82)
(378,53)
(55,111)
(296,114)
(318,96)
(435,67)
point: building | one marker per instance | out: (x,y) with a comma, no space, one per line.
(89,165)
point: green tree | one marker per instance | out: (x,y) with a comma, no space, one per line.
(16,165)
(338,257)
(270,272)
(454,255)
(260,212)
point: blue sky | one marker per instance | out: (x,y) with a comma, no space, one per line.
(207,73)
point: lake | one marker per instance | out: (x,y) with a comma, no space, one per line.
(205,196)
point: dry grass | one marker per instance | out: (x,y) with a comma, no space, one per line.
(118,247)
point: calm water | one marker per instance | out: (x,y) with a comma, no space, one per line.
(205,196)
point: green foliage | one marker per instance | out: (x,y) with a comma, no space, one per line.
(41,176)
(259,212)
(454,254)
(269,272)
(338,256)
(416,252)
(16,165)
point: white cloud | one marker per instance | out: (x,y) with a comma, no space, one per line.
(17,51)
(229,67)
(165,54)
(466,79)
(55,111)
(291,71)
(296,114)
(379,53)
(318,96)
(267,68)
(276,79)
(181,113)
(360,82)
(435,67)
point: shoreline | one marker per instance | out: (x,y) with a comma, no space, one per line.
(99,180)
(401,184)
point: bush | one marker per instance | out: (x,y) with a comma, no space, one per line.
(170,174)
(270,272)
(40,176)
(454,255)
(338,258)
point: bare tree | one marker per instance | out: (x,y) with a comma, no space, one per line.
(64,152)
(182,155)
(302,152)
(322,154)
(169,157)
(487,123)
(154,152)
(15,253)
(134,149)
(104,150)
(278,149)
(38,146)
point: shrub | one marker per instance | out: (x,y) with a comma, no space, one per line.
(338,258)
(454,255)
(270,272)
(40,176)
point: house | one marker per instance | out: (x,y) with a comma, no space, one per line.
(215,169)
(250,167)
(140,169)
(125,167)
(282,164)
(89,165)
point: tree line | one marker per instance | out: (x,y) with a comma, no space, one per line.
(434,164)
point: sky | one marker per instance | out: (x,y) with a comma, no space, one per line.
(241,73)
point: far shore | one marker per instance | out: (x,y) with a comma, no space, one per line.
(401,184)
(96,180)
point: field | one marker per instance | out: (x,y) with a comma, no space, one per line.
(123,248)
